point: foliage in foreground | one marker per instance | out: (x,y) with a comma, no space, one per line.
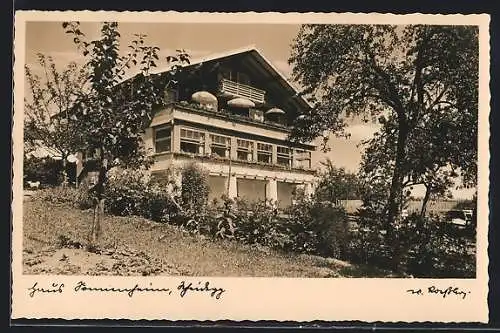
(307,227)
(419,81)
(426,247)
(46,170)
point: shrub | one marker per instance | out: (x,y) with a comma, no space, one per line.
(258,223)
(435,248)
(76,197)
(367,245)
(195,188)
(133,192)
(307,227)
(318,228)
(46,170)
(427,246)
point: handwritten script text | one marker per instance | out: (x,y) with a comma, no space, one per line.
(183,289)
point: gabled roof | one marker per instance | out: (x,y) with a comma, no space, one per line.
(256,56)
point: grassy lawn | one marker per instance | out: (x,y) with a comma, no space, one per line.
(55,235)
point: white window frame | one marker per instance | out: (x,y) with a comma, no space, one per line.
(200,142)
(249,150)
(226,146)
(298,152)
(287,156)
(265,151)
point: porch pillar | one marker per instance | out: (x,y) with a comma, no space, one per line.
(272,190)
(176,139)
(232,187)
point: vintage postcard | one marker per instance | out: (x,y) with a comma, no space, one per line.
(250,166)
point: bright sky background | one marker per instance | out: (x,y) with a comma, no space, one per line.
(273,40)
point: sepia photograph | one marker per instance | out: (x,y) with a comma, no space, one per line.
(317,151)
(251,149)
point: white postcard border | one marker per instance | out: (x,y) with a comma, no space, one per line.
(255,298)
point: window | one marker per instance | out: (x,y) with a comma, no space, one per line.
(192,141)
(302,158)
(284,156)
(162,139)
(244,150)
(220,145)
(264,152)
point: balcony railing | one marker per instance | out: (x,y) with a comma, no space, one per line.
(242,90)
(226,114)
(224,160)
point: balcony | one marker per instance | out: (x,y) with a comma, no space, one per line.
(227,115)
(231,88)
(234,161)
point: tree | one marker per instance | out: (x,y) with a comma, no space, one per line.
(46,110)
(429,157)
(113,113)
(336,184)
(408,73)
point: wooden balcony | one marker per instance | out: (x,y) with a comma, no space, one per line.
(231,88)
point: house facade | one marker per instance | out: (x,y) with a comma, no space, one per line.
(232,116)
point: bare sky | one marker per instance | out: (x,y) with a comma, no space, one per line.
(273,40)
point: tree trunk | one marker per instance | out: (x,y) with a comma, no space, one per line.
(99,200)
(395,197)
(64,172)
(394,201)
(425,201)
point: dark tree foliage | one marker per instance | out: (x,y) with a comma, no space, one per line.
(423,78)
(336,184)
(52,92)
(113,113)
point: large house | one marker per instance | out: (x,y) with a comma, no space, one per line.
(232,115)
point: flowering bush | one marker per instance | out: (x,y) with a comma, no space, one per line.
(134,192)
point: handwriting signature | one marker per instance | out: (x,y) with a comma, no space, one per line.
(54,288)
(183,289)
(433,290)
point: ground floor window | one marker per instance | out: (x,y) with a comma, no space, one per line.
(252,190)
(163,139)
(192,141)
(286,193)
(264,153)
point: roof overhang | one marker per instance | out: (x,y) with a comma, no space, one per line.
(254,59)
